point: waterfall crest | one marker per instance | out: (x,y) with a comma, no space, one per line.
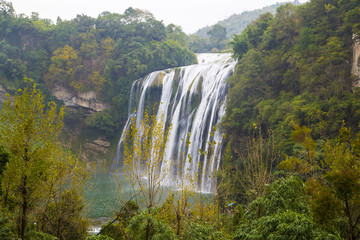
(191,100)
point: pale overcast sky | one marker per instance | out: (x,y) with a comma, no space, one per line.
(189,14)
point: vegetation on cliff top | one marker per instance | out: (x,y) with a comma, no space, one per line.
(103,54)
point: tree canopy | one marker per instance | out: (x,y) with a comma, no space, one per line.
(103,54)
(38,169)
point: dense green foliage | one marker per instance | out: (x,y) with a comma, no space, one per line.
(41,181)
(101,237)
(7,229)
(282,213)
(295,68)
(103,54)
(331,171)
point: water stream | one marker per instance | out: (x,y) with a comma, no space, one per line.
(191,100)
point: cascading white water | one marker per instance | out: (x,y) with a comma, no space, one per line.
(192,101)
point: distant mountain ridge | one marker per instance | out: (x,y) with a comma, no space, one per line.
(237,22)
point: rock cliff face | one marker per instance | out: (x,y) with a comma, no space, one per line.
(90,149)
(71,99)
(355,70)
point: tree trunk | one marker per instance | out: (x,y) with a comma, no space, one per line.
(24,208)
(59,229)
(6,197)
(147,237)
(178,224)
(350,222)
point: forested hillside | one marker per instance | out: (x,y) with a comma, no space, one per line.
(295,68)
(96,57)
(293,111)
(238,22)
(216,37)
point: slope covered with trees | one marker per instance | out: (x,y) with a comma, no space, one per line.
(293,110)
(238,22)
(103,55)
(295,68)
(203,39)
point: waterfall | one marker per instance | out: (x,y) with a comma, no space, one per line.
(191,100)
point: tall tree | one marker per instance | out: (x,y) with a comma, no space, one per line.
(29,132)
(145,145)
(144,151)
